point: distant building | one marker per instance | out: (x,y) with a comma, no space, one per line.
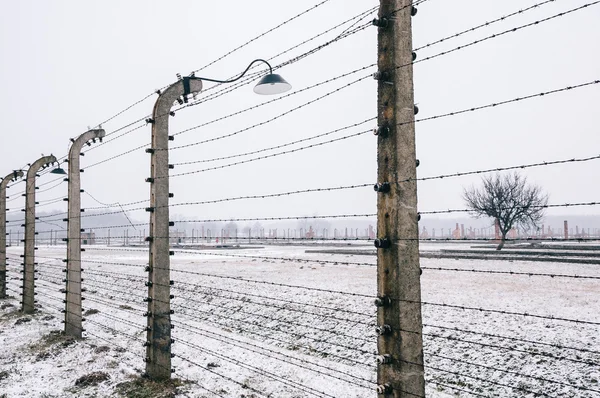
(88,238)
(177,236)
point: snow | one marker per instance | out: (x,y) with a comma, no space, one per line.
(236,337)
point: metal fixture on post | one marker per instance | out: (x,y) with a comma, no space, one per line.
(269,84)
(158,342)
(29,255)
(3,262)
(73,313)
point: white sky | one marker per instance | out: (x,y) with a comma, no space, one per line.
(67,65)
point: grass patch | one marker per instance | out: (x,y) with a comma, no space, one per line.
(49,344)
(21,321)
(92,379)
(141,387)
(11,314)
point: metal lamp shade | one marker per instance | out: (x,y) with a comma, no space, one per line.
(272,84)
(58,170)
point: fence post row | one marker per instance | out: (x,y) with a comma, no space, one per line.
(3,262)
(400,360)
(73,312)
(158,343)
(29,256)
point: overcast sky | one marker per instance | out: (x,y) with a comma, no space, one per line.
(67,65)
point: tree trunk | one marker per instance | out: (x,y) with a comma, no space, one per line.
(501,245)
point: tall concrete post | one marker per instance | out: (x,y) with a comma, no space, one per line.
(158,351)
(73,326)
(3,184)
(29,256)
(400,371)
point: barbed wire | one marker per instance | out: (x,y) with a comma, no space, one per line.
(262,35)
(212,289)
(478,41)
(246,80)
(128,299)
(518,388)
(480,271)
(362,78)
(277,146)
(211,63)
(472,109)
(437,383)
(484,25)
(236,113)
(301,106)
(554,345)
(496,369)
(272,155)
(358,17)
(104,142)
(511,349)
(38,185)
(500,34)
(244,385)
(580,204)
(231,341)
(495,104)
(221,316)
(278,218)
(239,279)
(264,196)
(38,191)
(504,312)
(291,322)
(269,337)
(498,169)
(278,378)
(321,239)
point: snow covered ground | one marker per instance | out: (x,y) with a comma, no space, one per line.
(245,327)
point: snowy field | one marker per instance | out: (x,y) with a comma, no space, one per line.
(252,327)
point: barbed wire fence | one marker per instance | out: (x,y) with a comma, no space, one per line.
(244,315)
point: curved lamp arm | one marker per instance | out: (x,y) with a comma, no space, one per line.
(237,78)
(270,83)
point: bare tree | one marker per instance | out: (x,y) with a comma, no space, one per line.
(510,200)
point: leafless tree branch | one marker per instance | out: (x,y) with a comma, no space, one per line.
(510,200)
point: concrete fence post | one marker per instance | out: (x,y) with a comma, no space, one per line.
(400,370)
(3,261)
(73,312)
(30,234)
(158,344)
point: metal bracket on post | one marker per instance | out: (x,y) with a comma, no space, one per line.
(400,372)
(3,261)
(158,350)
(73,313)
(29,254)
